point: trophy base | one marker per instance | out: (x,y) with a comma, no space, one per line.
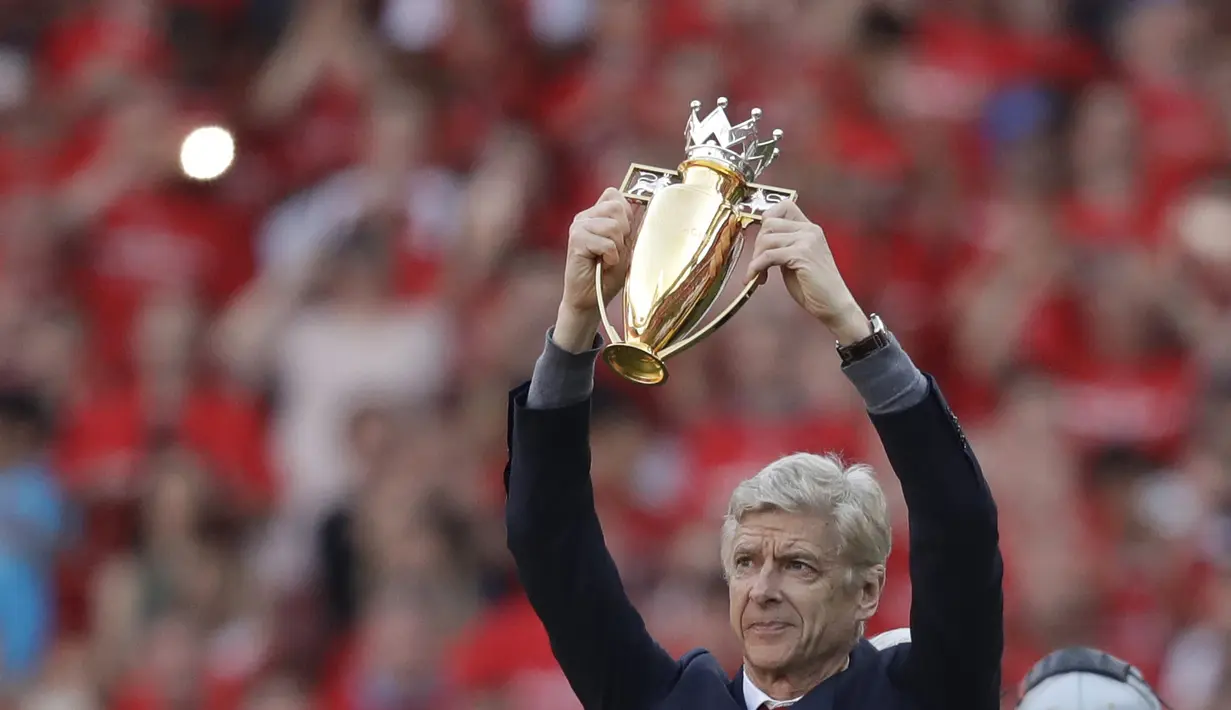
(633,363)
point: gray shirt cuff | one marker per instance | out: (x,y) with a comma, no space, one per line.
(562,378)
(887,379)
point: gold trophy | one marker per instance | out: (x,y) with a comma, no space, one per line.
(689,241)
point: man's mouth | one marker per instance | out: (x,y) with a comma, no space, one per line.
(768,627)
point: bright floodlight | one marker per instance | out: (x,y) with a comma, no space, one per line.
(207,152)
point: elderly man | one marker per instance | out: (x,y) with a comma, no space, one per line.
(805,540)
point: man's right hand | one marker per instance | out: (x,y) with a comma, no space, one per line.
(600,232)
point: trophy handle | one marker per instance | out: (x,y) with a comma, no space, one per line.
(761,198)
(689,340)
(640,184)
(708,329)
(612,335)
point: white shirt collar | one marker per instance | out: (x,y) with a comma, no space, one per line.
(754,697)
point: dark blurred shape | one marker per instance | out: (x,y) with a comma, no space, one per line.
(266,21)
(22,412)
(1212,424)
(1120,465)
(366,240)
(882,29)
(612,404)
(362,259)
(195,35)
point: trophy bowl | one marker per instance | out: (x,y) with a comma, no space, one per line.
(689,241)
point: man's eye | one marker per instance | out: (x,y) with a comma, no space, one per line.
(798,566)
(742,562)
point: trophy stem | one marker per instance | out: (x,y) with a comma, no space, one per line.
(713,175)
(635,362)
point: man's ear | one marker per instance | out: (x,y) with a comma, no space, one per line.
(871,583)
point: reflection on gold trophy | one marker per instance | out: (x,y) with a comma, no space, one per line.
(689,241)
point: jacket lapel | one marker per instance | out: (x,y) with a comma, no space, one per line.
(827,695)
(736,687)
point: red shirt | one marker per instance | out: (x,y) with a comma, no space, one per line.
(1090,224)
(156,241)
(217,694)
(107,436)
(1182,137)
(82,39)
(1056,57)
(723,452)
(343,688)
(325,134)
(1148,405)
(507,653)
(957,64)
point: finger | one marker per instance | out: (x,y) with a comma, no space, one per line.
(618,210)
(787,210)
(607,227)
(593,246)
(778,224)
(611,194)
(783,256)
(775,240)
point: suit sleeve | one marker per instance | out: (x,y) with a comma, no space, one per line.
(596,634)
(956,570)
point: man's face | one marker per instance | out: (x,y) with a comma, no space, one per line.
(791,602)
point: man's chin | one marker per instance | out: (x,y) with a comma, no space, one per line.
(768,656)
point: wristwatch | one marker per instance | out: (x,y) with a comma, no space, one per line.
(860,349)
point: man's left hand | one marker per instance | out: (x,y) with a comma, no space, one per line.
(790,241)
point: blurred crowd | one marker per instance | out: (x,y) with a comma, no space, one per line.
(252,429)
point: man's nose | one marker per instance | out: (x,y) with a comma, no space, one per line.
(765,588)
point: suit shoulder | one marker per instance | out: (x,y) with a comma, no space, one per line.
(703,659)
(701,682)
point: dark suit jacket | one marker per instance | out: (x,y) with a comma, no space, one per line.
(612,663)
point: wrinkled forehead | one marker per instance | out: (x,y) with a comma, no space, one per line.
(780,531)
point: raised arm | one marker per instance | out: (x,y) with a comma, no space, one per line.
(957,610)
(597,636)
(956,606)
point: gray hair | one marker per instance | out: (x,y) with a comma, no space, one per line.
(825,486)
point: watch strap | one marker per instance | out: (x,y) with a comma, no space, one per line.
(860,349)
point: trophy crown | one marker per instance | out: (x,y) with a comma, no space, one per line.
(738,147)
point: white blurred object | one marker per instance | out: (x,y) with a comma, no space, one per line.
(58,698)
(891,638)
(1171,506)
(1192,669)
(416,25)
(1086,691)
(1084,678)
(561,21)
(14,78)
(1205,228)
(207,153)
(297,230)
